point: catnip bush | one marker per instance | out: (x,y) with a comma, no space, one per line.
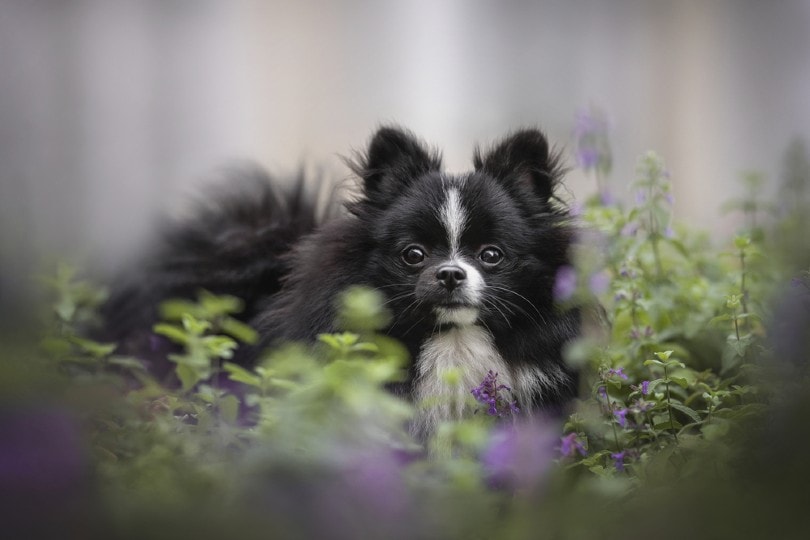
(691,422)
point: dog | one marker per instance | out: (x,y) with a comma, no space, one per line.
(466,263)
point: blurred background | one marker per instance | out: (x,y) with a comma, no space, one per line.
(111,111)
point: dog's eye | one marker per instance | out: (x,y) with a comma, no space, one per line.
(490,256)
(413,255)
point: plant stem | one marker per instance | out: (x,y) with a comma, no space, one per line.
(669,405)
(743,292)
(736,325)
(659,271)
(612,419)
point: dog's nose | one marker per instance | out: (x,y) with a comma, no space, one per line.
(450,276)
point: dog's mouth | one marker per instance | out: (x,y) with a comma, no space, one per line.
(455,305)
(456,313)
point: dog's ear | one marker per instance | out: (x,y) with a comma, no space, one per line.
(521,159)
(393,159)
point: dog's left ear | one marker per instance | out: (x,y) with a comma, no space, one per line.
(522,158)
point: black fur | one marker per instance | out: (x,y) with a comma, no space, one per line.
(266,248)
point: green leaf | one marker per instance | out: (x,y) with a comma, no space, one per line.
(691,413)
(66,308)
(240,374)
(240,331)
(680,381)
(172,332)
(187,375)
(174,309)
(229,408)
(127,362)
(331,340)
(93,348)
(195,326)
(365,347)
(666,424)
(720,318)
(56,346)
(220,346)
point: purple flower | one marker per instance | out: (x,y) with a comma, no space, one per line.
(621,416)
(587,158)
(489,393)
(607,198)
(641,406)
(519,455)
(593,145)
(618,460)
(619,372)
(645,388)
(598,283)
(669,198)
(629,229)
(565,283)
(42,454)
(570,444)
(603,392)
(586,124)
(669,233)
(641,197)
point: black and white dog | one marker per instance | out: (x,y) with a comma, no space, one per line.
(466,262)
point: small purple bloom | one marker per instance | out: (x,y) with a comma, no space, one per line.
(586,124)
(587,158)
(629,229)
(603,392)
(599,282)
(42,453)
(669,233)
(565,283)
(519,455)
(641,406)
(607,198)
(645,388)
(570,444)
(669,198)
(489,393)
(619,372)
(641,197)
(618,460)
(593,145)
(621,416)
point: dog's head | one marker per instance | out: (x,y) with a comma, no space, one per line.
(476,248)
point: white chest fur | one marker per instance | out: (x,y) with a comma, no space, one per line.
(452,363)
(449,366)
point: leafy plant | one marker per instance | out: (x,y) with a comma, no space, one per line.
(682,423)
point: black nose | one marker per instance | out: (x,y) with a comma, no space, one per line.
(450,276)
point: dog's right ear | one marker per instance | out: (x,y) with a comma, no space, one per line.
(395,157)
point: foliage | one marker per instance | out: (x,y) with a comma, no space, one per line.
(687,414)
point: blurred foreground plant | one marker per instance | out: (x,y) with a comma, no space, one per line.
(682,425)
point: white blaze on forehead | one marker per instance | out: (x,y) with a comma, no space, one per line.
(454,217)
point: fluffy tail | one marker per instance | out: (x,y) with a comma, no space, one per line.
(233,243)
